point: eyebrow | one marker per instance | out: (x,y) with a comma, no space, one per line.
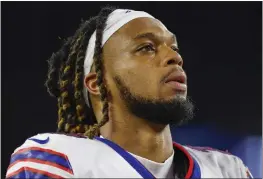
(152,36)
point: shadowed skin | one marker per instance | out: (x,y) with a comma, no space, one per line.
(140,54)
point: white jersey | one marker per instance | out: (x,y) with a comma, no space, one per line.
(62,156)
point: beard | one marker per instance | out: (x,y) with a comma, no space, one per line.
(176,111)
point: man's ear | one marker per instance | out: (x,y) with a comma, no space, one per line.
(90,82)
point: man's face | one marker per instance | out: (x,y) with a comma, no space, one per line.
(144,70)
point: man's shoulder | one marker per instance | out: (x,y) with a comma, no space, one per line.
(60,142)
(53,140)
(57,155)
(211,158)
(211,153)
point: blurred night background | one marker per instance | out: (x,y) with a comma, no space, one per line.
(221,43)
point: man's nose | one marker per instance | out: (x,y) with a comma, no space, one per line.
(172,57)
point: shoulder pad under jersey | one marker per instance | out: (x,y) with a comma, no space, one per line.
(220,163)
(50,155)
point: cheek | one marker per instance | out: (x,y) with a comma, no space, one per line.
(137,74)
(142,82)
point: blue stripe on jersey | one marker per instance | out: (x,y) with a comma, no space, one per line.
(29,174)
(19,175)
(196,171)
(41,155)
(129,158)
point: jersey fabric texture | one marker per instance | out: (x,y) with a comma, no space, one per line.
(51,155)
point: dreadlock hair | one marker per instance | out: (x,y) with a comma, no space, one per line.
(65,78)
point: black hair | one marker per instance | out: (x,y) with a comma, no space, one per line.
(65,78)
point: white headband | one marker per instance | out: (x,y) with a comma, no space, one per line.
(115,21)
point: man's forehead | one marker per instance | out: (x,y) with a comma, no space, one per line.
(145,27)
(153,35)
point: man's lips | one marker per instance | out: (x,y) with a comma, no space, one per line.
(177,85)
(177,80)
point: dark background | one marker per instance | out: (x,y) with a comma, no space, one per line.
(221,43)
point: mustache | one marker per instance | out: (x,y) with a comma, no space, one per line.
(163,79)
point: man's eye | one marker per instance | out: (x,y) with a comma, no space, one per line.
(175,49)
(147,48)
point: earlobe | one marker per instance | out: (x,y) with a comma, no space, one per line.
(90,82)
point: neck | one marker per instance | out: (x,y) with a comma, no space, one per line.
(139,136)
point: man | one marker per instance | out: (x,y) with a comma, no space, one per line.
(119,81)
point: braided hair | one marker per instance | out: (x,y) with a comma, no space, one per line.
(65,78)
